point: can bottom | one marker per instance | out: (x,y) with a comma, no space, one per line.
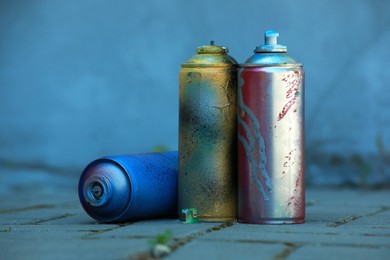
(215,219)
(273,221)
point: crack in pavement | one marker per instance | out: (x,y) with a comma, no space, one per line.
(292,247)
(93,232)
(181,242)
(289,250)
(49,219)
(35,207)
(355,217)
(298,244)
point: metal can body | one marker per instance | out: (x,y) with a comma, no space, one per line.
(130,187)
(271,140)
(207,135)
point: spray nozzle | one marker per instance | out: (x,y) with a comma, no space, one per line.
(97,191)
(271,43)
(271,37)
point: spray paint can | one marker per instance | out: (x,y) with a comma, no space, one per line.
(207,135)
(271,136)
(130,187)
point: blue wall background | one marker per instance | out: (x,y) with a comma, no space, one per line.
(80,79)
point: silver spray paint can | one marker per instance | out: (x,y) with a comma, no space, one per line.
(271,136)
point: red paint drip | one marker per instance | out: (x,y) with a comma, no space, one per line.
(293,81)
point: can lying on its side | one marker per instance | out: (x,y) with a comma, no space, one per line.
(130,187)
(271,136)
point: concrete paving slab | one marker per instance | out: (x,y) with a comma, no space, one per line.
(78,218)
(228,250)
(36,214)
(382,218)
(51,224)
(339,252)
(71,248)
(29,231)
(255,233)
(152,228)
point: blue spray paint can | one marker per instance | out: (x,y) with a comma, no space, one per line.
(130,187)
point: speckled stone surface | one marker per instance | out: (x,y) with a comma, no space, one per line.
(41,218)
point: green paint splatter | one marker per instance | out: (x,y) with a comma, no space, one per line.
(191,215)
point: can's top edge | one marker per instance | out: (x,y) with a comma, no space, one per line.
(212,49)
(270,48)
(270,59)
(271,65)
(211,56)
(205,65)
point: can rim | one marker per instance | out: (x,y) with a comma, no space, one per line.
(82,188)
(132,185)
(214,49)
(204,65)
(244,65)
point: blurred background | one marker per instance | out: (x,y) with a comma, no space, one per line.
(80,79)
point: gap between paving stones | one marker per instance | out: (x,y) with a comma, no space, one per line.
(93,232)
(178,243)
(49,219)
(34,207)
(297,245)
(290,248)
(332,233)
(355,217)
(284,254)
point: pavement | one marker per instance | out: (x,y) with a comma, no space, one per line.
(41,218)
